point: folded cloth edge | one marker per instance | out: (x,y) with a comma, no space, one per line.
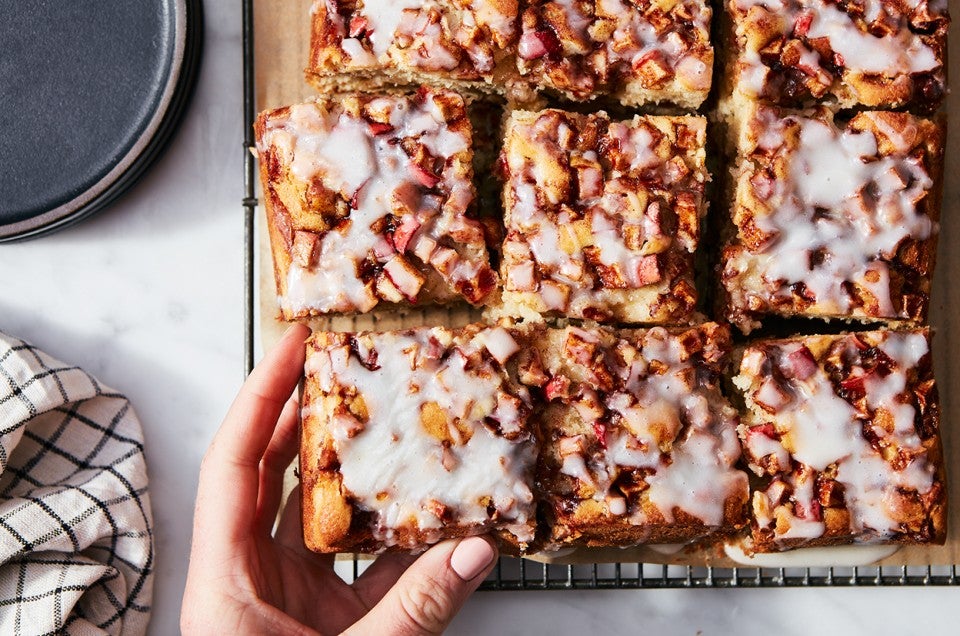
(73,496)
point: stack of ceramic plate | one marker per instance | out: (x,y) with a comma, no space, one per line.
(90,94)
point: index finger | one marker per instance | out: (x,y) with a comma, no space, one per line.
(229,477)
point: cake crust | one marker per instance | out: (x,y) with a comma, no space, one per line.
(843,433)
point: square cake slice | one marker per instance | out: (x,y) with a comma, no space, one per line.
(833,221)
(369,199)
(414,436)
(635,51)
(639,444)
(602,217)
(364,44)
(878,54)
(843,432)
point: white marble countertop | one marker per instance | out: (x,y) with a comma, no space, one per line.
(149,297)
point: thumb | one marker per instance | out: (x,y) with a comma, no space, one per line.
(432,590)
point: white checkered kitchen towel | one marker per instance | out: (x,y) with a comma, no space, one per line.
(76,540)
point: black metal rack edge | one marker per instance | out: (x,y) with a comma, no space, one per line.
(521,574)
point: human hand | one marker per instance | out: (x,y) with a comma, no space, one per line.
(244,580)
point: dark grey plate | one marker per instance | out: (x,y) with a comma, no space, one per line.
(90,92)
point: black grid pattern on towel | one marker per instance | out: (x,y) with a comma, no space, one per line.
(76,538)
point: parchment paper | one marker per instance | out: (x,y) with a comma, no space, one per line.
(281,39)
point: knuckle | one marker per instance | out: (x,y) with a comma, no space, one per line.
(428,604)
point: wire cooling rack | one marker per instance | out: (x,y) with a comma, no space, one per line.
(522,574)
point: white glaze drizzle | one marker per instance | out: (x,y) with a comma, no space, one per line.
(374,172)
(633,39)
(394,468)
(819,429)
(696,474)
(825,557)
(401,29)
(835,171)
(898,53)
(548,243)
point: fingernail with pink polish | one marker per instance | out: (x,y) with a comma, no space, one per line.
(471,557)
